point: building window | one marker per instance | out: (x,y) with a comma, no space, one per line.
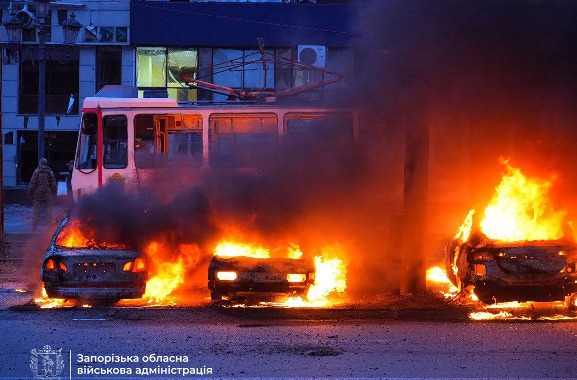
(242,69)
(159,69)
(62,80)
(105,34)
(109,66)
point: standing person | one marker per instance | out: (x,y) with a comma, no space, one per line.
(43,187)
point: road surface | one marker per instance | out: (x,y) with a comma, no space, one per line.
(270,343)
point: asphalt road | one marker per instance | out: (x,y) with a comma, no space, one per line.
(271,343)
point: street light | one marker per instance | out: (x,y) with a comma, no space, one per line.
(14,27)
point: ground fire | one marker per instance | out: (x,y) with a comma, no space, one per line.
(518,251)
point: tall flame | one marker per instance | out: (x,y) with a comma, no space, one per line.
(330,275)
(168,275)
(520,210)
(465,229)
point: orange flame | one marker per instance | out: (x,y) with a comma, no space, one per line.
(44,302)
(74,235)
(167,276)
(437,278)
(520,210)
(231,249)
(330,277)
(330,280)
(465,229)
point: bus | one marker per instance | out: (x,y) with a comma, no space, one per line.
(123,137)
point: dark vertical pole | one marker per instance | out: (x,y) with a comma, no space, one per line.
(413,275)
(1,170)
(41,86)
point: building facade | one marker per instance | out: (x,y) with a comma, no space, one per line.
(148,44)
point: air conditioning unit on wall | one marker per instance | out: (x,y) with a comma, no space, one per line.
(314,55)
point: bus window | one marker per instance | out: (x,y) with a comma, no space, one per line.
(86,150)
(144,144)
(240,140)
(185,147)
(115,141)
(185,140)
(335,129)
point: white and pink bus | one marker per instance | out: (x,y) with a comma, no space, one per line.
(131,139)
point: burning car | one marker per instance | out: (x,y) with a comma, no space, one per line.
(520,249)
(235,274)
(79,267)
(503,271)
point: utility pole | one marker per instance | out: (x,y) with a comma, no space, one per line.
(413,259)
(1,170)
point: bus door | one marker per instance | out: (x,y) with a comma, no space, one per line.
(102,151)
(161,132)
(85,176)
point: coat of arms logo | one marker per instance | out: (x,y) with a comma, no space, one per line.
(46,363)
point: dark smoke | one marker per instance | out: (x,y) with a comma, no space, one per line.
(117,214)
(486,79)
(482,80)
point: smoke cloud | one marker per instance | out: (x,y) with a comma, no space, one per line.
(484,79)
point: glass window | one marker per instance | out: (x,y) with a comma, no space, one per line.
(159,67)
(335,130)
(121,34)
(161,140)
(86,151)
(115,141)
(283,71)
(109,66)
(181,60)
(228,67)
(242,140)
(145,155)
(61,79)
(242,69)
(255,75)
(151,67)
(185,141)
(185,61)
(106,34)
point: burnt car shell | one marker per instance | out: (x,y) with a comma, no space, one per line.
(92,274)
(257,278)
(539,271)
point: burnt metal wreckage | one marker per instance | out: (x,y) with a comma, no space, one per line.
(89,272)
(524,271)
(246,278)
